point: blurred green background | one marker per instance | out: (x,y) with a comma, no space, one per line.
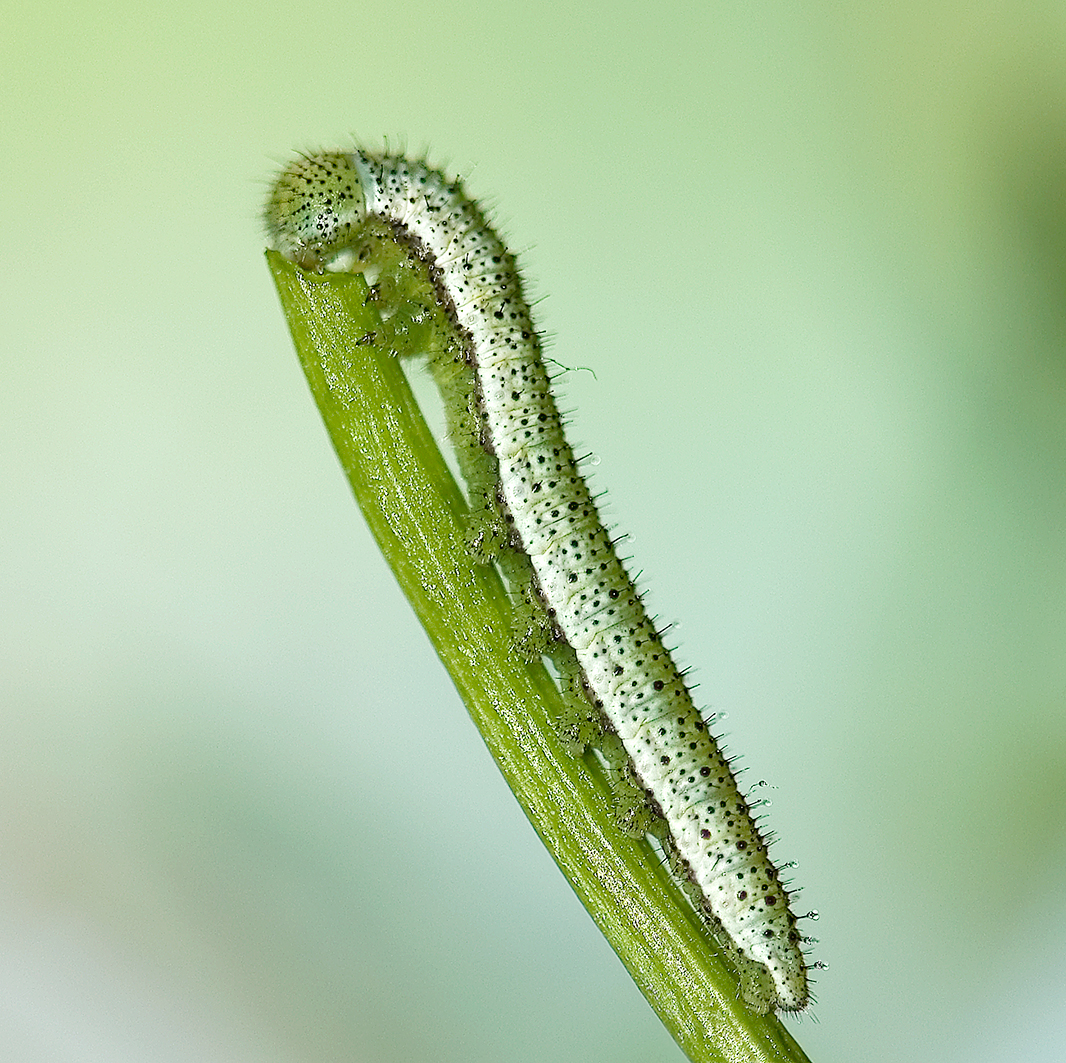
(816,257)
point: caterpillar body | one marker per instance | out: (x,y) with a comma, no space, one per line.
(316,212)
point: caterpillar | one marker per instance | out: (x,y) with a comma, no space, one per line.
(539,510)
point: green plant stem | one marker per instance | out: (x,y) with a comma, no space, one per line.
(416,512)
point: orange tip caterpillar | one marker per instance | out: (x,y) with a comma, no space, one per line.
(316,216)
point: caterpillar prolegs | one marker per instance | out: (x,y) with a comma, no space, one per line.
(538,509)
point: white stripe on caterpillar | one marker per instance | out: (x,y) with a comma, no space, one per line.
(316,209)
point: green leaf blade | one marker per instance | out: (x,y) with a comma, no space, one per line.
(416,512)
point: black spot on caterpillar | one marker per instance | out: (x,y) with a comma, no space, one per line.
(538,512)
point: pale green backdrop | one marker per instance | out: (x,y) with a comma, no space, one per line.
(815,255)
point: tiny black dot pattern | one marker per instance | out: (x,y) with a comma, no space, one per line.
(628,673)
(315,207)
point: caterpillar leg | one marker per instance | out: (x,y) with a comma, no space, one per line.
(580,725)
(632,811)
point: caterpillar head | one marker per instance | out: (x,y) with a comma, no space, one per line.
(316,207)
